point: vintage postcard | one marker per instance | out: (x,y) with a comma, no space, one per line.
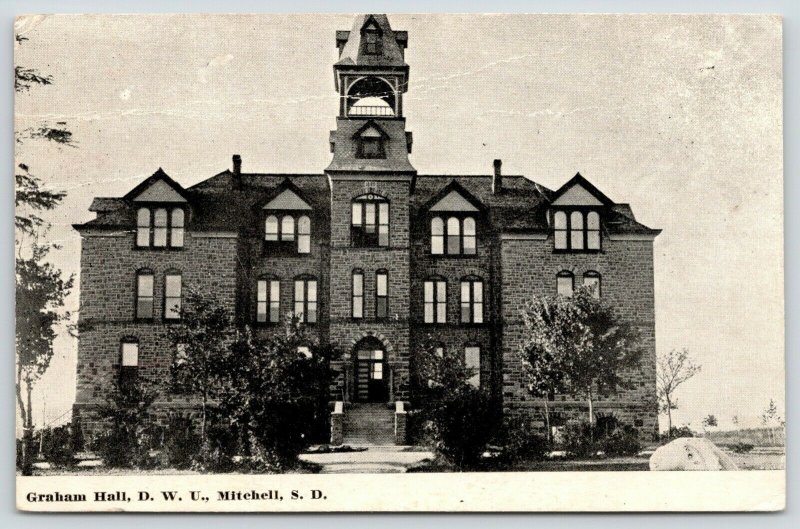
(399,263)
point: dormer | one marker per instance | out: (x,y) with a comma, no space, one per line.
(576,215)
(370,141)
(454,216)
(162,207)
(286,218)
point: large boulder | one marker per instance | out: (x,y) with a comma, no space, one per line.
(691,453)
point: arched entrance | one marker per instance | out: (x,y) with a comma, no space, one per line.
(371,373)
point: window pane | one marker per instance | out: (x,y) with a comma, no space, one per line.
(312,290)
(465,312)
(275,290)
(560,220)
(383,213)
(299,291)
(143,227)
(177,218)
(561,239)
(145,287)
(143,237)
(358,284)
(160,237)
(369,217)
(358,307)
(177,237)
(381,307)
(593,240)
(271,228)
(593,220)
(303,244)
(144,307)
(287,228)
(130,354)
(172,284)
(356,214)
(465,292)
(311,317)
(441,291)
(383,235)
(469,226)
(441,312)
(261,294)
(472,360)
(437,226)
(564,285)
(594,283)
(143,218)
(477,291)
(380,284)
(469,245)
(428,291)
(274,312)
(304,225)
(453,236)
(477,312)
(160,231)
(172,296)
(428,312)
(576,230)
(160,218)
(437,244)
(261,312)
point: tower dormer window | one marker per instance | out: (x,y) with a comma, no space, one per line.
(372,40)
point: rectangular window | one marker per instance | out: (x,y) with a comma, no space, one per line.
(305,300)
(383,224)
(143,227)
(358,294)
(593,282)
(435,302)
(370,223)
(176,229)
(472,301)
(144,296)
(357,213)
(381,295)
(268,301)
(472,360)
(129,362)
(172,297)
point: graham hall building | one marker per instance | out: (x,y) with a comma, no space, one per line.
(372,256)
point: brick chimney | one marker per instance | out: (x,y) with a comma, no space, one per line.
(237,171)
(497,179)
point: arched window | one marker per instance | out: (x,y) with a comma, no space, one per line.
(469,243)
(160,227)
(565,283)
(176,233)
(305,299)
(143,227)
(268,300)
(358,294)
(172,295)
(576,230)
(437,236)
(370,221)
(560,227)
(287,228)
(144,294)
(591,279)
(304,234)
(593,230)
(435,300)
(471,299)
(271,228)
(381,295)
(453,236)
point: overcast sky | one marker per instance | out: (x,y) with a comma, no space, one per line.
(678,115)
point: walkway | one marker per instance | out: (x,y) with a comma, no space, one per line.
(375,460)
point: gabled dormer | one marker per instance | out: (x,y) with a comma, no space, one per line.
(162,208)
(576,215)
(286,215)
(455,218)
(370,141)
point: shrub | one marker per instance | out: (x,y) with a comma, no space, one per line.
(519,441)
(181,442)
(676,432)
(580,439)
(129,436)
(621,441)
(58,446)
(461,425)
(608,435)
(742,447)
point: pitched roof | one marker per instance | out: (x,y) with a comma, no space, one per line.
(391,50)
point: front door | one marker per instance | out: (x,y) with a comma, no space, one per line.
(371,384)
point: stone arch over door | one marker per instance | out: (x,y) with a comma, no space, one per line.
(371,372)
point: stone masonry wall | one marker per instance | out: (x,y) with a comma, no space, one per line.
(529,267)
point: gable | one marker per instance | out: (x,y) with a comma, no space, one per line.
(453,201)
(159,191)
(288,199)
(577,195)
(371,132)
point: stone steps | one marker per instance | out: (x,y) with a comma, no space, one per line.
(368,424)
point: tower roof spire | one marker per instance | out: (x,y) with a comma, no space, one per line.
(371,42)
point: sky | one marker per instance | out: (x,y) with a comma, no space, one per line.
(681,116)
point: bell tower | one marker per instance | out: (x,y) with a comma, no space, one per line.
(371,77)
(371,181)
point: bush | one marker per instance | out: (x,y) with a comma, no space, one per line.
(181,442)
(614,439)
(519,441)
(462,424)
(675,433)
(130,434)
(742,447)
(58,447)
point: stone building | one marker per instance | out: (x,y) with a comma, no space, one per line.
(374,258)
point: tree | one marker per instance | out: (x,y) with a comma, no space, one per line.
(771,419)
(672,370)
(577,344)
(709,421)
(41,289)
(202,342)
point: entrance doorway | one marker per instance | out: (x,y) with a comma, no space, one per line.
(371,376)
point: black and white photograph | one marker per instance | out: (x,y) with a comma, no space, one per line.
(292,262)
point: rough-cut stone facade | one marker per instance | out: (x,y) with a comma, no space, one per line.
(225,253)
